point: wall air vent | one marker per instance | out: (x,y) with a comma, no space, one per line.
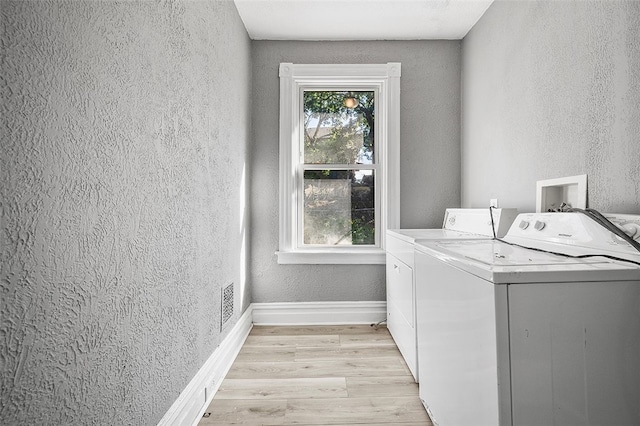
(227,305)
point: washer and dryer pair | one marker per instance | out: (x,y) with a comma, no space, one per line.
(458,224)
(541,327)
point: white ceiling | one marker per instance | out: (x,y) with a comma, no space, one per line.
(360,19)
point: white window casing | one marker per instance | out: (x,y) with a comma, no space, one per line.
(384,79)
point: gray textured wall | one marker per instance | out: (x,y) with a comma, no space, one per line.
(429,151)
(552,89)
(124,137)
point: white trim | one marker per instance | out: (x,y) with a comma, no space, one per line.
(385,80)
(318,313)
(287,164)
(196,397)
(374,256)
(338,71)
(391,204)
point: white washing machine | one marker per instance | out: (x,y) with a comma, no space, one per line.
(509,335)
(457,224)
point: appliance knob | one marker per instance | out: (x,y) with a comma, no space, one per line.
(631,229)
(539,225)
(523,224)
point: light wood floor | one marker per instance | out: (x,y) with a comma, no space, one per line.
(318,375)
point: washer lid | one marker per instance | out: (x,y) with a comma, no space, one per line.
(503,263)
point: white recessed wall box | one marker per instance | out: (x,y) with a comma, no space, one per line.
(552,193)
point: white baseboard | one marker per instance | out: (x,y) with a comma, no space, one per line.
(196,397)
(319,313)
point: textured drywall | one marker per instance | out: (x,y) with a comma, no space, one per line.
(552,89)
(429,156)
(124,139)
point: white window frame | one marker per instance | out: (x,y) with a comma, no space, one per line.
(294,79)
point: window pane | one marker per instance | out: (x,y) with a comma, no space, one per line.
(338,127)
(339,207)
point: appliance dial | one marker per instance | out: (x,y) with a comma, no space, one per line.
(539,225)
(523,224)
(632,230)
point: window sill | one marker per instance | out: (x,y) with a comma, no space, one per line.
(375,256)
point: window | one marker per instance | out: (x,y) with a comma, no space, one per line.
(339,155)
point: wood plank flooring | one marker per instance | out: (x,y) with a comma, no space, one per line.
(318,375)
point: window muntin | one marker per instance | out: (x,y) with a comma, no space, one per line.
(338,201)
